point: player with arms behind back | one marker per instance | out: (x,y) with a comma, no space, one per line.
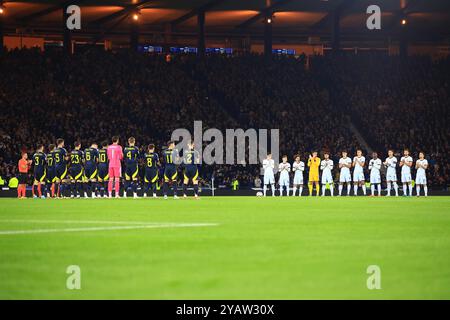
(345,163)
(327,177)
(269,177)
(298,167)
(61,157)
(115,156)
(51,171)
(40,172)
(375,174)
(421,177)
(191,159)
(76,170)
(103,170)
(170,156)
(284,168)
(151,170)
(391,175)
(90,169)
(406,163)
(131,153)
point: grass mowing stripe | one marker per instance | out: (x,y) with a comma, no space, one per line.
(150,226)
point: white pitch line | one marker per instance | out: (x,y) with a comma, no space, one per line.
(81,221)
(149,226)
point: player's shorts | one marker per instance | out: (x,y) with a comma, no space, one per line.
(131,172)
(115,172)
(90,172)
(191,172)
(358,176)
(170,173)
(298,178)
(103,174)
(375,178)
(51,174)
(22,177)
(40,174)
(345,177)
(269,179)
(151,175)
(61,172)
(421,179)
(327,178)
(76,173)
(391,175)
(284,181)
(406,177)
(313,177)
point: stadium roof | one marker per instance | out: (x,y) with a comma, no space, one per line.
(427,19)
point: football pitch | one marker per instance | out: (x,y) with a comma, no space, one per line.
(226,248)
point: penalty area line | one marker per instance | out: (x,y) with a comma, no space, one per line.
(149,226)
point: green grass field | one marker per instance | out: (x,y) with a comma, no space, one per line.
(226,248)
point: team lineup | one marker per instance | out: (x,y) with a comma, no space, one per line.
(98,171)
(358,164)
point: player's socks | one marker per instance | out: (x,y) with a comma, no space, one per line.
(196,189)
(355,190)
(310,187)
(117,187)
(317,190)
(184,189)
(425,190)
(273,190)
(388,189)
(264,190)
(323,190)
(39,190)
(174,188)
(281,191)
(32,191)
(404,190)
(340,189)
(410,187)
(165,188)
(134,186)
(417,190)
(396,189)
(349,188)
(300,190)
(372,190)
(364,189)
(332,190)
(294,190)
(379,189)
(80,187)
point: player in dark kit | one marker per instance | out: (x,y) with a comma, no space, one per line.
(90,169)
(51,171)
(40,173)
(103,175)
(61,157)
(151,170)
(191,159)
(76,170)
(131,155)
(170,156)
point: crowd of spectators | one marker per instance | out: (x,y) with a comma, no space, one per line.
(93,96)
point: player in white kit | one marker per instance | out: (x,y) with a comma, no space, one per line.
(375,174)
(284,168)
(298,167)
(421,177)
(326,165)
(391,175)
(358,172)
(345,163)
(406,162)
(269,177)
